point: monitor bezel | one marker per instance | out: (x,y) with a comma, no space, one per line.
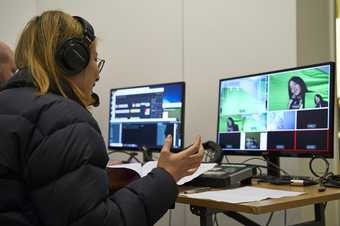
(152,149)
(329,154)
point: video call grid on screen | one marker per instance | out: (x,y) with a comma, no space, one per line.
(143,116)
(285,112)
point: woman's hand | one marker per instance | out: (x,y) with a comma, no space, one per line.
(183,163)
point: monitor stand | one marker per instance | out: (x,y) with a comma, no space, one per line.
(272,170)
(147,154)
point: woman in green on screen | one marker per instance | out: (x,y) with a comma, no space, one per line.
(231,125)
(296,90)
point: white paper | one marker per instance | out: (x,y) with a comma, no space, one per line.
(243,194)
(147,167)
(204,167)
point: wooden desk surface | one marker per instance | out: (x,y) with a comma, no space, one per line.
(311,196)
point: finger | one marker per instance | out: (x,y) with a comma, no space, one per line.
(196,159)
(198,154)
(191,171)
(193,163)
(167,144)
(192,149)
(192,166)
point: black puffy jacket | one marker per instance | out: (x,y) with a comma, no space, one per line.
(52,166)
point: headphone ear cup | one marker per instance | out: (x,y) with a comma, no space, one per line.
(72,56)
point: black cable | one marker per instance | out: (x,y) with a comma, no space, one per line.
(270,218)
(325,177)
(285,217)
(332,180)
(170,223)
(255,165)
(132,155)
(325,173)
(270,163)
(226,158)
(216,222)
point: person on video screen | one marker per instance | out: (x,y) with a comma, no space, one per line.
(231,125)
(296,91)
(251,143)
(319,102)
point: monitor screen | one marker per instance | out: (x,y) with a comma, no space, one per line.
(287,112)
(143,116)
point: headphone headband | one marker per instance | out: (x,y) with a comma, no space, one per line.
(88,30)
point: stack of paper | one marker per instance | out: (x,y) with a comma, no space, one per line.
(147,167)
(243,194)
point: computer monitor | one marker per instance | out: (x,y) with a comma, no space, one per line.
(141,117)
(284,113)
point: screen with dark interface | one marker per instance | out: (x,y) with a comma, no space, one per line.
(143,116)
(288,112)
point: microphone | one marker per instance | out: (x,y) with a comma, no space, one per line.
(95,98)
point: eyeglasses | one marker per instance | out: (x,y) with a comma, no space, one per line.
(100,64)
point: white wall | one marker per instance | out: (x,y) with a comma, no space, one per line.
(231,38)
(197,41)
(140,41)
(14,14)
(315,31)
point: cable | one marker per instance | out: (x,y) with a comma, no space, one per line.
(285,217)
(325,173)
(260,170)
(215,221)
(170,212)
(325,176)
(226,158)
(258,167)
(270,218)
(132,155)
(270,163)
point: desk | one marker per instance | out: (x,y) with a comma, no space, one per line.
(206,208)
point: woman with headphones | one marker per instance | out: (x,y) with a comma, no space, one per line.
(52,154)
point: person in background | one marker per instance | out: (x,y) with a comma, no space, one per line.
(52,154)
(7,65)
(319,102)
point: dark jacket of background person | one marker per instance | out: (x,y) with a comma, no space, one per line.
(52,166)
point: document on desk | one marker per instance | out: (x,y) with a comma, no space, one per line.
(147,167)
(243,194)
(204,167)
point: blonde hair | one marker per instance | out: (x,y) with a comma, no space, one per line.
(37,46)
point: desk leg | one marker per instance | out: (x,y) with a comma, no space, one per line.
(319,211)
(204,213)
(240,218)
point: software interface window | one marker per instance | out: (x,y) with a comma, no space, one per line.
(279,111)
(144,116)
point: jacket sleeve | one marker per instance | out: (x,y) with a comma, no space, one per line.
(69,185)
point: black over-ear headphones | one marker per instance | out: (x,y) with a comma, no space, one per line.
(73,54)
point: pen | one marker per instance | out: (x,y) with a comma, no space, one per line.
(197,190)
